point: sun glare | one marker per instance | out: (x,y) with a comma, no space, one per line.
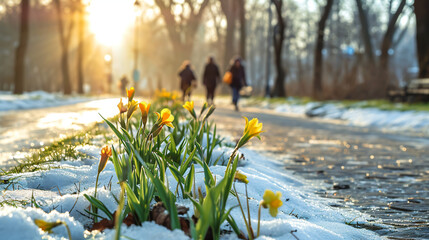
(110,19)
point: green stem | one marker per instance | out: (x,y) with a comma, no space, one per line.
(94,209)
(68,229)
(118,214)
(259,219)
(249,233)
(231,158)
(248,210)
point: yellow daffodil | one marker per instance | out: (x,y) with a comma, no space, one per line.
(144,108)
(106,152)
(241,177)
(165,118)
(130,94)
(122,108)
(190,107)
(272,201)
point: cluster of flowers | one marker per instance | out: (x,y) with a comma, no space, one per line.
(142,164)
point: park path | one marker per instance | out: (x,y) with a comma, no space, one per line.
(23,130)
(385,175)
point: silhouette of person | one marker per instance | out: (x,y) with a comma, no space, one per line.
(123,84)
(211,78)
(187,80)
(238,81)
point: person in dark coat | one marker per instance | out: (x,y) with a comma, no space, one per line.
(211,77)
(187,80)
(238,81)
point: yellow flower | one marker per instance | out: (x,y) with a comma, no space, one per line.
(253,128)
(106,152)
(130,94)
(121,107)
(190,107)
(47,226)
(272,201)
(144,108)
(132,107)
(241,177)
(165,118)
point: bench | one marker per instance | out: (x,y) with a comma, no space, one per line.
(417,90)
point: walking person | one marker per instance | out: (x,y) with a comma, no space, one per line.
(187,80)
(211,78)
(238,81)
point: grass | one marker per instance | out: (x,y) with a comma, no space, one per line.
(64,149)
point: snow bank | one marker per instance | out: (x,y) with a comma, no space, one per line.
(36,99)
(389,120)
(60,195)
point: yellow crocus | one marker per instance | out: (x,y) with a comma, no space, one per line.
(106,152)
(165,118)
(132,107)
(144,108)
(241,177)
(253,128)
(122,108)
(130,94)
(189,105)
(272,201)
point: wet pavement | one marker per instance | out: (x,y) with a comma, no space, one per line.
(23,130)
(385,175)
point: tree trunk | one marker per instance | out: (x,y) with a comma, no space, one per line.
(21,49)
(268,59)
(421,10)
(279,36)
(64,42)
(386,45)
(242,10)
(80,48)
(318,58)
(229,9)
(369,52)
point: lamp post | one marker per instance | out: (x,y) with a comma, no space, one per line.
(137,12)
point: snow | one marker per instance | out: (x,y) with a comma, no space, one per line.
(387,120)
(36,99)
(59,192)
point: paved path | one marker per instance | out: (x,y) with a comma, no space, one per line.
(23,130)
(384,175)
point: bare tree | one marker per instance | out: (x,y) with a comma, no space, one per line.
(379,77)
(65,37)
(421,10)
(182,32)
(21,49)
(318,58)
(80,45)
(279,37)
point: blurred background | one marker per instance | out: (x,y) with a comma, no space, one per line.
(326,49)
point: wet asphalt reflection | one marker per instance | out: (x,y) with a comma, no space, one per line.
(385,175)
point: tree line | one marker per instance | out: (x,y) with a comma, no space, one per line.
(324,49)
